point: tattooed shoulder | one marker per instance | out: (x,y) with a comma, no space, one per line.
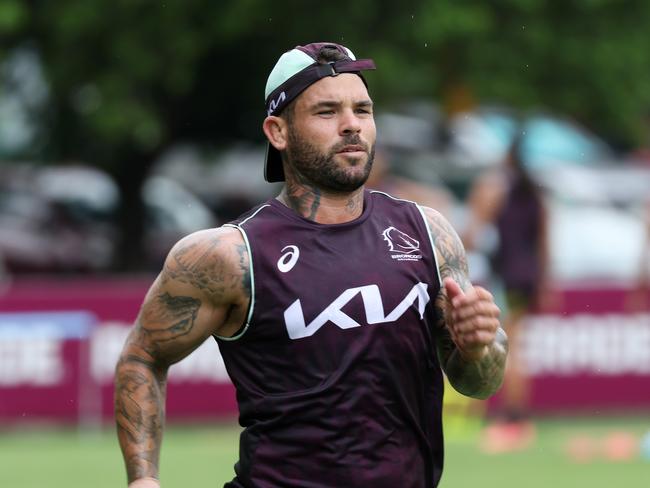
(215,262)
(452,260)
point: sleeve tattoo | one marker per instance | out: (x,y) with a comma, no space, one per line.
(481,378)
(167,330)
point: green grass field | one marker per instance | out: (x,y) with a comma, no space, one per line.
(204,455)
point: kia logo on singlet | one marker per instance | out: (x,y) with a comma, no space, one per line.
(373,305)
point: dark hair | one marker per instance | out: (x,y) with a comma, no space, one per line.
(329,54)
(288,112)
(523,179)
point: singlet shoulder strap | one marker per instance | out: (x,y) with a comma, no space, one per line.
(251,305)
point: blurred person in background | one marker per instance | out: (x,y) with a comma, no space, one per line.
(645,258)
(508,199)
(383,178)
(639,298)
(5,278)
(330,393)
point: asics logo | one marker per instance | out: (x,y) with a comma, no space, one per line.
(373,306)
(289,259)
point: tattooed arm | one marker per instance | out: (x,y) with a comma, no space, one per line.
(203,289)
(472,346)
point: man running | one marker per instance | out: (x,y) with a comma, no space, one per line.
(336,309)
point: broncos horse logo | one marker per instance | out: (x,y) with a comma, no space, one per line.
(400,242)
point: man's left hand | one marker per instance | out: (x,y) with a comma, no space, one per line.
(472,318)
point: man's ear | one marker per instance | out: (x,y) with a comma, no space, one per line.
(276,131)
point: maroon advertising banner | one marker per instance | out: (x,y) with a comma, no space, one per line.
(59,342)
(593,354)
(44,366)
(85,356)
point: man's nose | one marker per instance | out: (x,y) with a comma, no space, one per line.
(350,123)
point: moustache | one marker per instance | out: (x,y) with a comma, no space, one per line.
(353,140)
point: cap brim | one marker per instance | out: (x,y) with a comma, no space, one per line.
(273,170)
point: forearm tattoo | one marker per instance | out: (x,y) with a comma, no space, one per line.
(479,378)
(139,414)
(140,380)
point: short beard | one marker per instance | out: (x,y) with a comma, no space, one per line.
(320,170)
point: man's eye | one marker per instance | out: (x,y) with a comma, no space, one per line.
(326,112)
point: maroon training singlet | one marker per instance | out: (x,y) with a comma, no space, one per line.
(337,377)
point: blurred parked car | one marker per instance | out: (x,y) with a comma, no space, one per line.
(482,137)
(171,212)
(45,226)
(597,222)
(63,219)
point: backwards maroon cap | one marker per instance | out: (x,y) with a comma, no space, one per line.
(294,72)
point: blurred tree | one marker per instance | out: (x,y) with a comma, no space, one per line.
(129,78)
(585,58)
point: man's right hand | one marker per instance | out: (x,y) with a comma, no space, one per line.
(145,483)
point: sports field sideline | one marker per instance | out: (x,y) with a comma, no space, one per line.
(203,455)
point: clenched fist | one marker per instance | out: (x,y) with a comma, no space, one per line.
(472,319)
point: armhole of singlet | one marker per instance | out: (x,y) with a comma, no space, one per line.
(251,305)
(426,226)
(433,246)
